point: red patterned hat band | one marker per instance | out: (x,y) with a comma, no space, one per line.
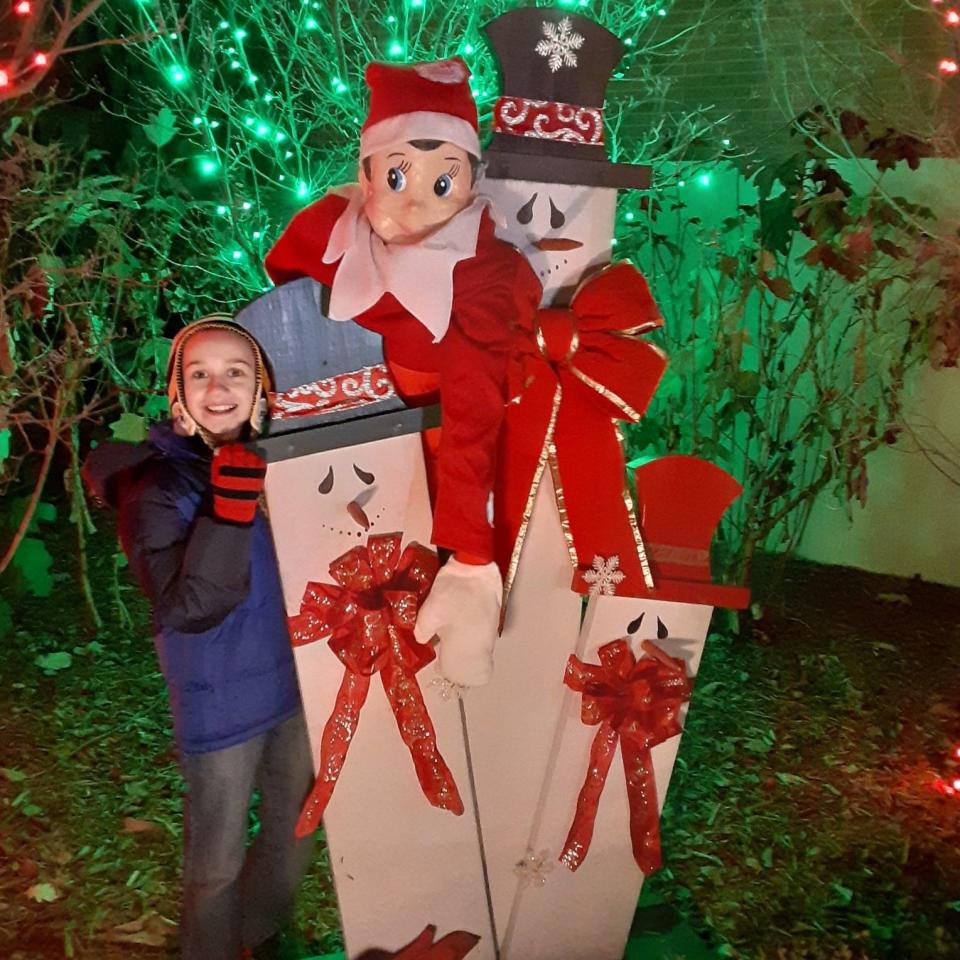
(548,120)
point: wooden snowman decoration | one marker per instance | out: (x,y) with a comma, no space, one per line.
(393,310)
(565,868)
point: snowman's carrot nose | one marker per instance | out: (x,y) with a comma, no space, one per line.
(357,513)
(556,243)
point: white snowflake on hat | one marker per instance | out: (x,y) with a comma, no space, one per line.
(559,43)
(604,577)
(442,71)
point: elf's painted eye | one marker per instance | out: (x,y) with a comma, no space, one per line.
(443,185)
(396,181)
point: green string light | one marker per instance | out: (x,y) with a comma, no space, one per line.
(177,75)
(208,166)
(395,49)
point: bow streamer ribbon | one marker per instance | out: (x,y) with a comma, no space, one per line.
(367,618)
(576,372)
(635,703)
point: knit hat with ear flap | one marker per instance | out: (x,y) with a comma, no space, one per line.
(175,391)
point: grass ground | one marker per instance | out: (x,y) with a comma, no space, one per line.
(802,821)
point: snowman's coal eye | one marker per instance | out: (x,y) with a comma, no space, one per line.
(557,219)
(326,484)
(525,213)
(634,625)
(365,477)
(662,631)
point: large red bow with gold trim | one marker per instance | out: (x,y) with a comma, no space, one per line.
(367,619)
(576,372)
(636,703)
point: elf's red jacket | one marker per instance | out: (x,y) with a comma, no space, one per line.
(466,370)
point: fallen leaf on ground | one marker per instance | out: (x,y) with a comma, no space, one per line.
(899,598)
(150,930)
(43,892)
(133,825)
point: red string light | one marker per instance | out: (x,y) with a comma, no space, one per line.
(953,18)
(40,60)
(4,78)
(948,66)
(23,8)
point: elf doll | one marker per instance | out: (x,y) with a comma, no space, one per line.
(409,252)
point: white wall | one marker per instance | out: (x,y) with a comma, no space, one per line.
(911,523)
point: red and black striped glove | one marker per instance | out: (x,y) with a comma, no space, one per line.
(237,475)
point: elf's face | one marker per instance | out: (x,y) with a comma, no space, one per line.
(411,192)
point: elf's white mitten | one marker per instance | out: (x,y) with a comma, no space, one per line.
(463,611)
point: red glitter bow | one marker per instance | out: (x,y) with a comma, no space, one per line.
(636,703)
(576,372)
(367,619)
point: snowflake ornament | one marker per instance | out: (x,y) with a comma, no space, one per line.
(446,689)
(604,576)
(532,868)
(560,40)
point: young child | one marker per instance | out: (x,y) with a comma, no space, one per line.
(202,552)
(409,252)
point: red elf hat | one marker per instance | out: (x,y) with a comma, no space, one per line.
(420,101)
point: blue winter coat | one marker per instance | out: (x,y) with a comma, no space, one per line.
(221,627)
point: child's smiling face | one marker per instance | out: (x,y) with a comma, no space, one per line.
(219,382)
(412,192)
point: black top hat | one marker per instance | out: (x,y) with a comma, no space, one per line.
(548,123)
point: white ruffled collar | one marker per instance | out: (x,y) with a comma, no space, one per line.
(419,275)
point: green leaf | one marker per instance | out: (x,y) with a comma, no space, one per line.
(790,779)
(45,513)
(11,129)
(52,662)
(161,129)
(123,197)
(13,775)
(4,443)
(129,427)
(843,894)
(50,263)
(32,560)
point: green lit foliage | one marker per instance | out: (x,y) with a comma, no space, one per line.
(78,323)
(797,302)
(255,107)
